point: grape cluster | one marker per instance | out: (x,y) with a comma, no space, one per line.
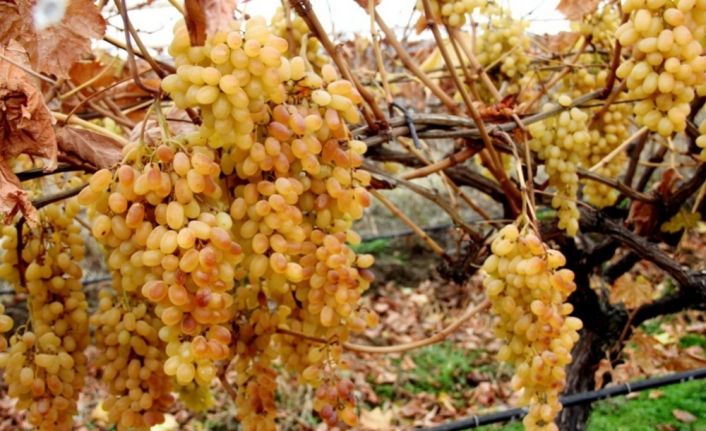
(296,32)
(667,61)
(562,142)
(600,26)
(504,41)
(45,366)
(452,12)
(528,290)
(131,362)
(220,237)
(608,128)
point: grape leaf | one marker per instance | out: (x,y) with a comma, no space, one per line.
(576,9)
(206,17)
(81,146)
(633,292)
(54,49)
(25,127)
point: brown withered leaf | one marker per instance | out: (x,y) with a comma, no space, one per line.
(683,416)
(54,49)
(642,214)
(577,9)
(88,146)
(206,17)
(25,127)
(632,291)
(13,198)
(560,42)
(25,120)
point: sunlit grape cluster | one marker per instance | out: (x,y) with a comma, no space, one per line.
(608,128)
(131,362)
(600,26)
(45,365)
(452,12)
(528,288)
(221,238)
(503,41)
(667,61)
(294,30)
(562,142)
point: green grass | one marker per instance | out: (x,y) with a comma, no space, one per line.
(690,340)
(441,368)
(376,246)
(643,413)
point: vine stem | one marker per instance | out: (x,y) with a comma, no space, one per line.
(305,10)
(90,126)
(438,337)
(452,160)
(491,160)
(411,65)
(435,247)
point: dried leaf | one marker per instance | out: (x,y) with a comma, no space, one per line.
(90,147)
(207,17)
(560,42)
(655,395)
(576,9)
(633,292)
(25,121)
(376,419)
(25,127)
(683,416)
(13,198)
(55,49)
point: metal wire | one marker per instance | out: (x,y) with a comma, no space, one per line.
(573,400)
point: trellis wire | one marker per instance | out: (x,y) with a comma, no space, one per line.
(573,400)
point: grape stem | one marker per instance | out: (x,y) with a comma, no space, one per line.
(440,336)
(435,247)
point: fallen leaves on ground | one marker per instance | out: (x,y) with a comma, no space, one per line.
(633,291)
(683,416)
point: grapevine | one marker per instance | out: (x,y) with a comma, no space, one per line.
(528,288)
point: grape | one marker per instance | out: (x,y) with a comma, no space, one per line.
(667,62)
(452,12)
(537,333)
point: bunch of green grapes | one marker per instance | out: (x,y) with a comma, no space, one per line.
(45,366)
(131,360)
(452,12)
(168,243)
(608,128)
(562,142)
(528,290)
(220,239)
(600,26)
(294,30)
(504,41)
(667,61)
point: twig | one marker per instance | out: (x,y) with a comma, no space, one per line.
(28,70)
(117,43)
(436,338)
(90,126)
(413,67)
(449,161)
(619,149)
(399,348)
(232,393)
(436,248)
(304,9)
